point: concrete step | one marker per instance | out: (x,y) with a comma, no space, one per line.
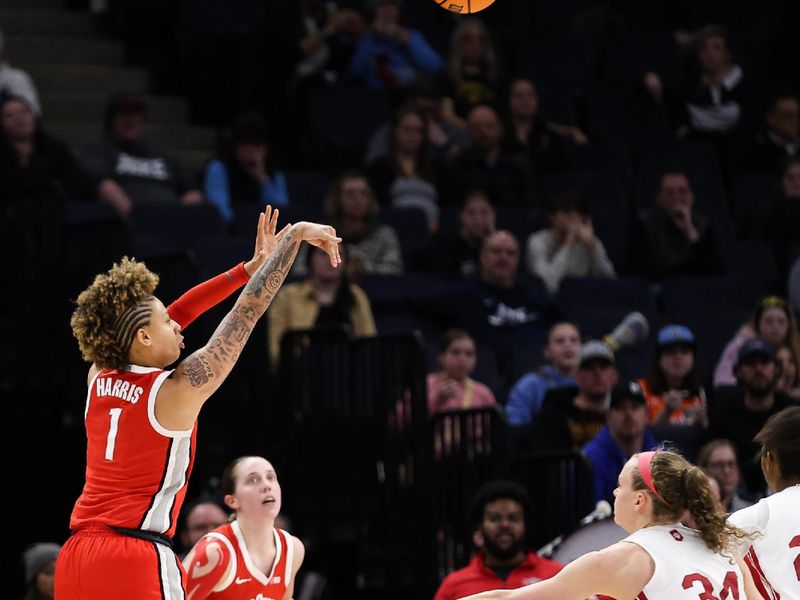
(90,79)
(34,4)
(61,50)
(85,107)
(179,137)
(43,21)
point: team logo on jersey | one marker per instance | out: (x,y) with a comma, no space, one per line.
(276,579)
(677,535)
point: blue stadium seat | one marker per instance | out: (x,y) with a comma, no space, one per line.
(179,225)
(411,226)
(751,203)
(307,188)
(625,293)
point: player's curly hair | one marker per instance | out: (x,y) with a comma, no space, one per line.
(684,487)
(111,310)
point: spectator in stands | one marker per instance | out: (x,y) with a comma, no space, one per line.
(789,383)
(16,82)
(624,435)
(389,55)
(451,388)
(571,417)
(502,514)
(198,517)
(325,298)
(718,457)
(544,143)
(147,172)
(445,138)
(33,164)
(741,412)
(569,247)
(328,36)
(774,322)
(778,140)
(456,254)
(244,173)
(498,308)
(793,285)
(373,248)
(713,103)
(403,177)
(673,388)
(561,355)
(474,74)
(486,164)
(40,570)
(782,230)
(672,239)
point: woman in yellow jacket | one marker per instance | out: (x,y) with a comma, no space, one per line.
(325,297)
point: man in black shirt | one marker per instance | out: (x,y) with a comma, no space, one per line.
(740,414)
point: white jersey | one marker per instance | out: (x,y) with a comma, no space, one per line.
(685,568)
(773,556)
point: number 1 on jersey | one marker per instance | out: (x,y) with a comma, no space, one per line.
(112,432)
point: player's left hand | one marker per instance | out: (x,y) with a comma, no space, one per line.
(266,238)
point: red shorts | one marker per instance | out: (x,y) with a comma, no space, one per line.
(99,563)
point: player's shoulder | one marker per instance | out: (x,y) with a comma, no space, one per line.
(752,518)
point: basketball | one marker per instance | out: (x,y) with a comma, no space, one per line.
(464,6)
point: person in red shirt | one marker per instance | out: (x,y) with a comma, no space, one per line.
(502,512)
(141,417)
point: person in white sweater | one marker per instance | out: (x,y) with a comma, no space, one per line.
(569,248)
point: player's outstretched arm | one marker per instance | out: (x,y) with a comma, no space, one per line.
(619,571)
(210,566)
(201,373)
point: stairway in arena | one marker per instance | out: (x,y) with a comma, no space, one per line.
(75,70)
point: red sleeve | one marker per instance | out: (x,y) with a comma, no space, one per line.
(207,295)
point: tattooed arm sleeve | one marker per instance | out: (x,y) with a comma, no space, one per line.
(205,370)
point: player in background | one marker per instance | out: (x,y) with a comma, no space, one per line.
(661,559)
(141,419)
(248,557)
(773,553)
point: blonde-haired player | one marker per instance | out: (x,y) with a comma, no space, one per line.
(661,559)
(248,557)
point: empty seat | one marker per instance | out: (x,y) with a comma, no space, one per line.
(687,295)
(624,293)
(307,188)
(342,119)
(411,226)
(751,204)
(180,225)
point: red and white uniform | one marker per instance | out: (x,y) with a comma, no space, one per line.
(685,568)
(236,577)
(136,476)
(773,556)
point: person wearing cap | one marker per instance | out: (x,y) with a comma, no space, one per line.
(39,561)
(774,321)
(673,388)
(739,414)
(16,82)
(390,55)
(571,417)
(34,165)
(147,172)
(624,434)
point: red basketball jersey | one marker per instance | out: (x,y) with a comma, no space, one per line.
(244,579)
(136,470)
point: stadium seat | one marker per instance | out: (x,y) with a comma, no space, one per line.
(307,188)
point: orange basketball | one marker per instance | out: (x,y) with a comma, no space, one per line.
(464,6)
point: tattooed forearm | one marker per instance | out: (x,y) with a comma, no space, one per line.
(214,362)
(198,371)
(267,280)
